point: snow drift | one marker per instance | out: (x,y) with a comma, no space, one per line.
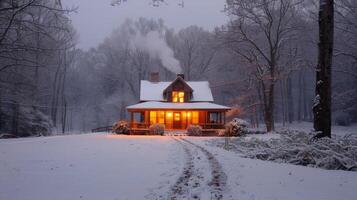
(296,147)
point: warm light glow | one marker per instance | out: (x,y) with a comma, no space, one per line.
(162,117)
(153,117)
(169,114)
(195,118)
(178,97)
(177,117)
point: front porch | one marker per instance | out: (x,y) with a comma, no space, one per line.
(209,120)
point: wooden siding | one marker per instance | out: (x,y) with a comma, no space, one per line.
(203,119)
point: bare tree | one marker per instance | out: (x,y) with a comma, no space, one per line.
(196,50)
(258,33)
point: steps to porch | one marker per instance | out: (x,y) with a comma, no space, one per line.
(175,133)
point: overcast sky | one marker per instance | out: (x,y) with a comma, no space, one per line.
(95,19)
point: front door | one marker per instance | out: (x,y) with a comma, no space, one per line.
(177,120)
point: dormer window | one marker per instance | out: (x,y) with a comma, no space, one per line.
(178,97)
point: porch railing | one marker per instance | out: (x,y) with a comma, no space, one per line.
(102,129)
(211,125)
(140,125)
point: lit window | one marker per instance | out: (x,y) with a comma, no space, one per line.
(178,97)
(161,117)
(177,117)
(153,118)
(169,120)
(195,118)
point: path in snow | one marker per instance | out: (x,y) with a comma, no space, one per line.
(202,176)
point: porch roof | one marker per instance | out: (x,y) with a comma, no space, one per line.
(177,106)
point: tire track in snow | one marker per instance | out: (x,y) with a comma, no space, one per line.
(219,178)
(183,186)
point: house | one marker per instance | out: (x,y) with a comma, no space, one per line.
(176,104)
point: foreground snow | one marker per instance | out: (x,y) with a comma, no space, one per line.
(85,166)
(98,166)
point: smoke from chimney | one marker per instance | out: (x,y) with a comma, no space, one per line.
(154,44)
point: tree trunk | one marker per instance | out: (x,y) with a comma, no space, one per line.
(322,104)
(282,100)
(305,100)
(290,99)
(300,96)
(268,100)
(15,119)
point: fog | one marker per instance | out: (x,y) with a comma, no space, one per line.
(96,19)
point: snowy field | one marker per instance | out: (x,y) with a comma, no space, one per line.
(102,166)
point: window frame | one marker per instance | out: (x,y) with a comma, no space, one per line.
(178,96)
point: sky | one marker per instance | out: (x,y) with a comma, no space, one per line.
(96,19)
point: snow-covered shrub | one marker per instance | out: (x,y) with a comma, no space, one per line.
(296,147)
(237,127)
(221,133)
(37,122)
(121,127)
(30,121)
(7,136)
(157,129)
(194,130)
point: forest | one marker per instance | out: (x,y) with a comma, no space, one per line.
(262,63)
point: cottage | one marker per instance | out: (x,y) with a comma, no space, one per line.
(176,104)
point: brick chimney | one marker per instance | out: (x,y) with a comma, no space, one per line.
(154,77)
(181,75)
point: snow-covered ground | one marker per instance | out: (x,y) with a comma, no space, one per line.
(308,127)
(102,166)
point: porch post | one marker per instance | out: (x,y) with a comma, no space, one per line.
(220,117)
(224,118)
(131,119)
(206,120)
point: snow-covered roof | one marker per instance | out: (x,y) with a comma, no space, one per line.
(178,106)
(153,91)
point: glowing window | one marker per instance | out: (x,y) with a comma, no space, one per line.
(169,119)
(178,97)
(162,117)
(177,117)
(153,118)
(195,118)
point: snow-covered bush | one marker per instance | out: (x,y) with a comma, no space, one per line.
(221,133)
(237,127)
(7,136)
(157,129)
(121,127)
(194,130)
(294,147)
(30,121)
